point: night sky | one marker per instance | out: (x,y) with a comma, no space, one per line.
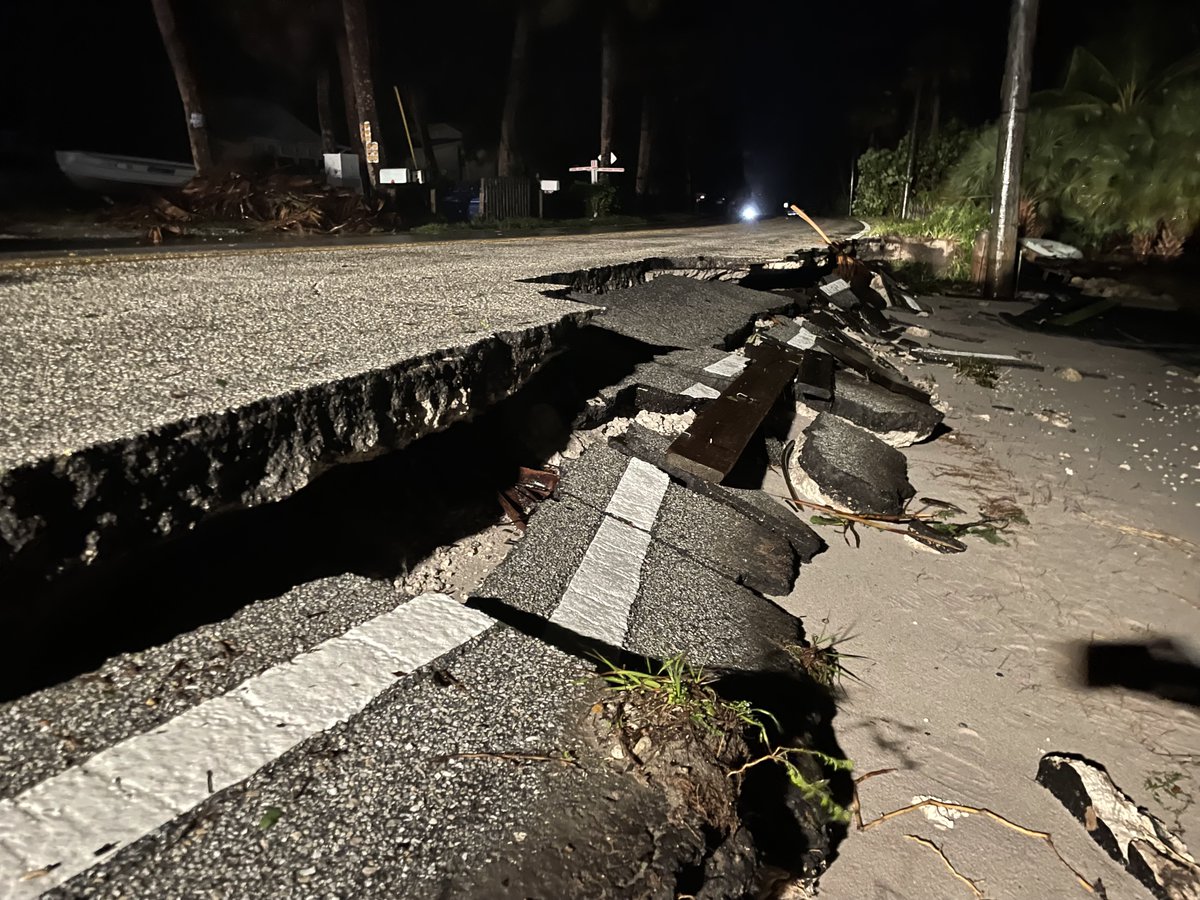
(780,96)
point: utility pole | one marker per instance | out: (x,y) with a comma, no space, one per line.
(1010,150)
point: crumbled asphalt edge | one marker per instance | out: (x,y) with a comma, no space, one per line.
(117,497)
(47,732)
(602,279)
(676,311)
(410,816)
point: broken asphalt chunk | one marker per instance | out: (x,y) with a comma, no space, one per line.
(673,311)
(836,290)
(896,419)
(847,467)
(755,505)
(715,534)
(1128,833)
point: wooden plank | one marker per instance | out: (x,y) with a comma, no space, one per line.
(814,377)
(718,436)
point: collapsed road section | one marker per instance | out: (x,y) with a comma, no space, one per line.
(144,395)
(644,557)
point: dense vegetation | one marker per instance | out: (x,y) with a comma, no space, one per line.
(1112,160)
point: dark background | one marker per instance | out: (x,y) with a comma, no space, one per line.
(782,96)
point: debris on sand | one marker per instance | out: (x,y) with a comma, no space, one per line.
(1128,833)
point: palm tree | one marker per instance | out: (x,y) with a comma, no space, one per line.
(185,79)
(1140,126)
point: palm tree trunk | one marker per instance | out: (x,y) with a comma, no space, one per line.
(325,110)
(358,49)
(608,86)
(185,79)
(645,142)
(506,157)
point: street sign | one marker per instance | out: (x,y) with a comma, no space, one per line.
(549,186)
(595,168)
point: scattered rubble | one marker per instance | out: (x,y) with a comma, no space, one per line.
(1127,832)
(278,201)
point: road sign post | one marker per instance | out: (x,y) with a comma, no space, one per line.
(595,168)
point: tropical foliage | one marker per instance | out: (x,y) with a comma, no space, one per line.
(1111,158)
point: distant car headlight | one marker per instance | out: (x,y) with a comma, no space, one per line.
(750,212)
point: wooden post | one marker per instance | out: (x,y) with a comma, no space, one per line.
(1010,148)
(358,47)
(185,80)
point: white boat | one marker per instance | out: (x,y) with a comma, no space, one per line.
(110,173)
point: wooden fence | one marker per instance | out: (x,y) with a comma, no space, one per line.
(505,198)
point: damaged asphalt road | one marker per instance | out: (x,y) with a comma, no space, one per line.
(345,738)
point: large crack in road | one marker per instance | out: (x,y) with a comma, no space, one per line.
(178,624)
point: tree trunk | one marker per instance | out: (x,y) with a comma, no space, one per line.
(935,109)
(358,49)
(185,79)
(608,87)
(507,162)
(325,110)
(645,142)
(347,79)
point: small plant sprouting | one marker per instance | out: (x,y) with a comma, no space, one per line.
(822,660)
(813,791)
(678,685)
(981,372)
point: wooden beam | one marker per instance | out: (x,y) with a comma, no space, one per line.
(721,431)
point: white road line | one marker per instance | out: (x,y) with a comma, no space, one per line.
(603,589)
(134,787)
(863,232)
(731,365)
